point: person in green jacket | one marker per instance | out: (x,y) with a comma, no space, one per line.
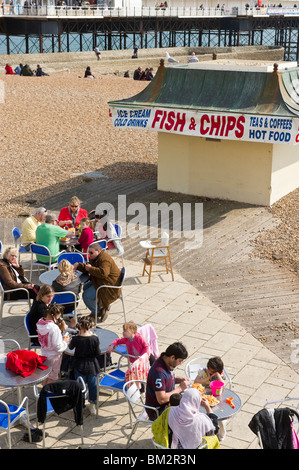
(48,235)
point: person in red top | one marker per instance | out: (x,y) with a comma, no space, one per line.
(70,216)
(9,70)
(86,237)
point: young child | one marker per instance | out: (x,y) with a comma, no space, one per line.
(86,237)
(135,343)
(38,309)
(87,361)
(50,330)
(213,371)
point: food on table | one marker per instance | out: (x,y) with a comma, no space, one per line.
(211,400)
(229,401)
(199,387)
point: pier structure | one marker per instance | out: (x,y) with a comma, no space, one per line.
(72,28)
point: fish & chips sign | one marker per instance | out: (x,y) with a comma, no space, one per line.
(251,128)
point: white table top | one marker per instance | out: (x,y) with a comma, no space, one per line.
(224,410)
(48,277)
(105,337)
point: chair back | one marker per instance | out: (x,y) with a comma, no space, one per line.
(13,345)
(72,257)
(135,400)
(26,322)
(118,230)
(16,234)
(40,250)
(194,365)
(1,290)
(66,297)
(0,248)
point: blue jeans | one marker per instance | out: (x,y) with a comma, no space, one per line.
(91,381)
(89,297)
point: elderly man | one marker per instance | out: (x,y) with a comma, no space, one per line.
(102,270)
(193,58)
(48,235)
(30,225)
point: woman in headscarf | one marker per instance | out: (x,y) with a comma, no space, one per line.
(187,423)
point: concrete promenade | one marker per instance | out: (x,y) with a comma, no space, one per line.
(177,311)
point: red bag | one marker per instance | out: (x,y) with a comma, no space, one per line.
(24,362)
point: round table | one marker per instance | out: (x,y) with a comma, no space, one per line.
(10,379)
(224,410)
(48,277)
(105,337)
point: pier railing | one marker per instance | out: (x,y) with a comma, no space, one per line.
(97,11)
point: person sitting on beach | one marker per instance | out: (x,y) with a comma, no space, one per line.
(26,71)
(88,73)
(70,216)
(193,58)
(149,75)
(137,73)
(9,70)
(39,72)
(18,69)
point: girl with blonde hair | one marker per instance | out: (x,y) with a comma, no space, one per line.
(68,281)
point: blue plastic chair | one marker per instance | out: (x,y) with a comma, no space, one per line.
(30,337)
(42,251)
(66,298)
(72,257)
(1,249)
(11,414)
(121,297)
(50,409)
(16,234)
(112,381)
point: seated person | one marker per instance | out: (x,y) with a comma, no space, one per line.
(193,58)
(135,343)
(187,424)
(102,270)
(48,235)
(9,70)
(39,308)
(86,237)
(161,380)
(70,216)
(30,225)
(105,229)
(213,371)
(67,280)
(12,276)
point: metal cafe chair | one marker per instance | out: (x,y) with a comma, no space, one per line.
(71,256)
(137,406)
(42,251)
(31,345)
(121,297)
(4,301)
(11,414)
(67,298)
(17,236)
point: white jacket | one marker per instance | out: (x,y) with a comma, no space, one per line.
(50,338)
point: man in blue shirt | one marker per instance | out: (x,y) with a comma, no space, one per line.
(161,379)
